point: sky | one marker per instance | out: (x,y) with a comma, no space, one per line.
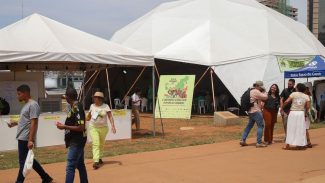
(98,17)
(302,10)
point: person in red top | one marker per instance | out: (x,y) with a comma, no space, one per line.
(257,95)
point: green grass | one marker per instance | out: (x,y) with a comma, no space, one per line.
(204,133)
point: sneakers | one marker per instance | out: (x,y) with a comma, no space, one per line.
(96,165)
(260,145)
(243,143)
(100,161)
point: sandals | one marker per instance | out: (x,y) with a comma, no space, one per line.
(298,148)
(287,148)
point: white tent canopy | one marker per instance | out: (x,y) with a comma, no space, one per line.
(232,35)
(38,39)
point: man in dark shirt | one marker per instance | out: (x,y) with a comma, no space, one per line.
(75,138)
(284,96)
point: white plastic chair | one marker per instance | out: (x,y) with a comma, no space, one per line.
(117,101)
(201,105)
(144,104)
(126,102)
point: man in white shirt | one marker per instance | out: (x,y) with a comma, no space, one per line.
(136,101)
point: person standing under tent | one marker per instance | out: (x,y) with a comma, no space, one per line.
(26,132)
(136,102)
(257,95)
(284,110)
(322,107)
(150,97)
(296,126)
(98,114)
(75,137)
(270,113)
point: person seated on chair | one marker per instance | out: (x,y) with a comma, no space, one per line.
(209,100)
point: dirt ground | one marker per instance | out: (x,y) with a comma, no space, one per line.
(219,162)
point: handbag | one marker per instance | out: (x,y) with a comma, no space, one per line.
(28,166)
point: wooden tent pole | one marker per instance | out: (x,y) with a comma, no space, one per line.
(201,77)
(91,84)
(134,84)
(83,86)
(81,89)
(212,85)
(157,71)
(108,89)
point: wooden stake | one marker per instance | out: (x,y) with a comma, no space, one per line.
(109,90)
(127,93)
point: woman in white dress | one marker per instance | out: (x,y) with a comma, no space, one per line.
(296,127)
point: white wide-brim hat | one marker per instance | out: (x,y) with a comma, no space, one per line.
(99,94)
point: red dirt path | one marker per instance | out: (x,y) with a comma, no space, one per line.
(222,162)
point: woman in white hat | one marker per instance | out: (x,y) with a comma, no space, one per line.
(98,114)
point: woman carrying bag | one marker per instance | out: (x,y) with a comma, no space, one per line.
(98,114)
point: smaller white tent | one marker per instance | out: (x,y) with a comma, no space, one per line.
(241,38)
(38,40)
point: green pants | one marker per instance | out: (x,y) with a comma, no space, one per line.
(98,136)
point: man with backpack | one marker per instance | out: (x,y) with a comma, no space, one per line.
(4,107)
(256,95)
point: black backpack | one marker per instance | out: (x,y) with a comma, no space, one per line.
(4,107)
(245,100)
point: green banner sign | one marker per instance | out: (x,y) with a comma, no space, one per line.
(288,64)
(175,96)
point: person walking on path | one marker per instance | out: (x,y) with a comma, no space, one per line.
(257,95)
(98,114)
(136,102)
(284,110)
(296,127)
(75,137)
(270,113)
(26,133)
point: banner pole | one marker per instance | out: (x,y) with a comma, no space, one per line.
(153,101)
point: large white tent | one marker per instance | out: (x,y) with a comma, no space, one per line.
(240,38)
(45,44)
